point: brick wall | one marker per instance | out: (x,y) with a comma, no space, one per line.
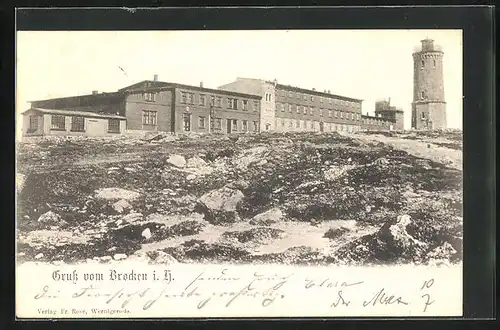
(162,104)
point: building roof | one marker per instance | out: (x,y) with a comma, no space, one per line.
(75,113)
(151,85)
(98,95)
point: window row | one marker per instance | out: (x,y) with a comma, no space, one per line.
(283,124)
(312,98)
(290,107)
(216,124)
(422,65)
(216,101)
(58,122)
(285,107)
(376,122)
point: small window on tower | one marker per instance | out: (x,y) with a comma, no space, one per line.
(434,63)
(422,94)
(423,63)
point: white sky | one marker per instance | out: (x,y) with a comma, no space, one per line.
(365,64)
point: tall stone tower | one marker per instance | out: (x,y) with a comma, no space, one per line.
(428,107)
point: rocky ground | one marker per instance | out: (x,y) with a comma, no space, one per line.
(295,198)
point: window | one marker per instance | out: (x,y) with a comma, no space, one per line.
(357,116)
(33,123)
(283,107)
(268,97)
(298,108)
(203,100)
(352,116)
(330,100)
(217,123)
(329,113)
(232,104)
(422,94)
(321,99)
(423,115)
(201,122)
(434,63)
(320,112)
(255,126)
(245,104)
(187,98)
(423,64)
(234,125)
(312,98)
(113,125)
(255,105)
(335,114)
(305,97)
(312,111)
(245,125)
(77,124)
(150,97)
(148,117)
(58,122)
(341,114)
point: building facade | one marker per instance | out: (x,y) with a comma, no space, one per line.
(429,106)
(395,115)
(289,108)
(42,122)
(164,107)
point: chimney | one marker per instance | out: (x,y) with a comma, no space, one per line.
(328,91)
(155,77)
(95,92)
(201,84)
(314,89)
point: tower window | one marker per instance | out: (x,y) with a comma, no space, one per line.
(423,63)
(422,94)
(434,63)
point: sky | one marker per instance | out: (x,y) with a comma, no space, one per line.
(365,64)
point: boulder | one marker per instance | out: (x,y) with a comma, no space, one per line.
(196,162)
(268,217)
(117,194)
(146,233)
(190,177)
(120,256)
(160,257)
(121,206)
(51,219)
(219,206)
(177,161)
(335,172)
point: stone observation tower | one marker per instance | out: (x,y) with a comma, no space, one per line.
(428,107)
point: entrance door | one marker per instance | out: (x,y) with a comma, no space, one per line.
(228,124)
(187,122)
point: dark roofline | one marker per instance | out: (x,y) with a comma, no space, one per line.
(88,114)
(103,94)
(310,91)
(389,110)
(169,85)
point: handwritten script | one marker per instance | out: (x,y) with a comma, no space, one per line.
(229,291)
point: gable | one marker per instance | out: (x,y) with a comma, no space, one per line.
(144,84)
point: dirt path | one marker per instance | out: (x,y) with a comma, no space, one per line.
(419,148)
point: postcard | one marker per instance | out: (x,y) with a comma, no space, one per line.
(256,173)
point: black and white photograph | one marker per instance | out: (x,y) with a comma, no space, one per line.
(296,148)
